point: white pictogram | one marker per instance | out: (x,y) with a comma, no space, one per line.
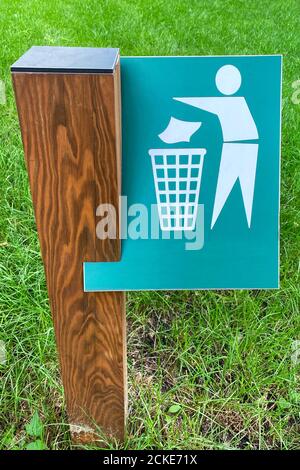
(177,172)
(239,154)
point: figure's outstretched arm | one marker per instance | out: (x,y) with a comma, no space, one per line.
(210,104)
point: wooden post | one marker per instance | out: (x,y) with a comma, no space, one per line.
(68,101)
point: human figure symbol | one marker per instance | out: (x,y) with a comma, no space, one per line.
(239,152)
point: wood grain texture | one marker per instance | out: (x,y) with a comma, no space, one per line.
(71,135)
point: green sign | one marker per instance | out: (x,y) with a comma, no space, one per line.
(200,175)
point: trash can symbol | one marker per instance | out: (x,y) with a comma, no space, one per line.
(177,177)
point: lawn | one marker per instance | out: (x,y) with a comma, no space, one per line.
(228,361)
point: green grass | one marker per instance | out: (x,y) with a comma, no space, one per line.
(224,357)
